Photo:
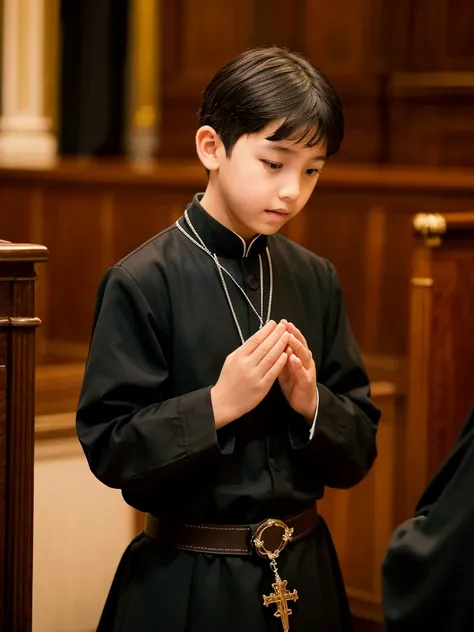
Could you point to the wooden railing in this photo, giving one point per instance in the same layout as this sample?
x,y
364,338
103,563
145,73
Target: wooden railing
x,y
17,369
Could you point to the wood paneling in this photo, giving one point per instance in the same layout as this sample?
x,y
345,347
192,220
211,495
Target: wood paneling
x,y
432,118
16,204
404,70
95,213
346,45
57,388
432,36
431,83
74,222
197,38
152,214
362,519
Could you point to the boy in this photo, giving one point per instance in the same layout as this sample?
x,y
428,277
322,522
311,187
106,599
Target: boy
x,y
428,572
224,387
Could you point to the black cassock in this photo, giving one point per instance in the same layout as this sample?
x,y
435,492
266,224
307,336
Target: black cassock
x,y
428,574
162,331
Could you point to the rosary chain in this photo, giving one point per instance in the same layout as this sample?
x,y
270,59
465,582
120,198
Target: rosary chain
x,y
220,268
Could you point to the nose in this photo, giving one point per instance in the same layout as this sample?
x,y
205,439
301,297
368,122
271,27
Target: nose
x,y
290,189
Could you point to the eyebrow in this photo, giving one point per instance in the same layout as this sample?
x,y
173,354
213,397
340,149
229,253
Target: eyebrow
x,y
321,157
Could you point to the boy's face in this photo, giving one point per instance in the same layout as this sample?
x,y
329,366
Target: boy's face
x,y
263,184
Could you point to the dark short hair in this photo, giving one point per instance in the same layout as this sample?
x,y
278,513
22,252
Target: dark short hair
x,y
266,84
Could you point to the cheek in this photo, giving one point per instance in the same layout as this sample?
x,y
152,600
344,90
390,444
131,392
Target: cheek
x,y
248,181
309,188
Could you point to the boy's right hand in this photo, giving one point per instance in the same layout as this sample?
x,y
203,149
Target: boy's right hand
x,y
249,372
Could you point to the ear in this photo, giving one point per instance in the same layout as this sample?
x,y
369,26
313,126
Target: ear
x,y
208,147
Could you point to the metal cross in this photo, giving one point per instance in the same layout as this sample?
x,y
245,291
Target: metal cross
x,y
281,596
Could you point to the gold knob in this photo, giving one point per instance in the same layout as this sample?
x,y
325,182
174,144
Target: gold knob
x,y
431,226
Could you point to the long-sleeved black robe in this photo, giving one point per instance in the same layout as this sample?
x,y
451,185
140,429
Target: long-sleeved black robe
x,y
428,573
162,331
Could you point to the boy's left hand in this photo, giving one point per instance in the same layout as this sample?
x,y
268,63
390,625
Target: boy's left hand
x,y
298,377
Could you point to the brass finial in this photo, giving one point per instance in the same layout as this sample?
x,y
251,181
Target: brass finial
x,y
431,226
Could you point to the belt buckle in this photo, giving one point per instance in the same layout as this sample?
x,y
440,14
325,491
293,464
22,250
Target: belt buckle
x,y
259,543
281,595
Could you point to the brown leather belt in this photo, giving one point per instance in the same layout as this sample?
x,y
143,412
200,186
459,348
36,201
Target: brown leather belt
x,y
230,539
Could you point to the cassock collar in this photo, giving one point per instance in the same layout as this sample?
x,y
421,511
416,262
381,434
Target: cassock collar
x,y
220,240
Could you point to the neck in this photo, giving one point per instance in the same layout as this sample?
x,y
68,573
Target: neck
x,y
213,204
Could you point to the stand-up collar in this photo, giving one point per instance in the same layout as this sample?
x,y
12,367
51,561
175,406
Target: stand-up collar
x,y
220,240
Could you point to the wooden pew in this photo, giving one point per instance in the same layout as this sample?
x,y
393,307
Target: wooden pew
x,y
441,349
362,519
17,369
57,387
413,440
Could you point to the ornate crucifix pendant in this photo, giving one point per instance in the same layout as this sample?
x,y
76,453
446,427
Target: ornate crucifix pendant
x,y
281,595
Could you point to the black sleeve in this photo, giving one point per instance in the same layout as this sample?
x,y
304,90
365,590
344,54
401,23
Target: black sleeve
x,y
428,574
343,446
133,437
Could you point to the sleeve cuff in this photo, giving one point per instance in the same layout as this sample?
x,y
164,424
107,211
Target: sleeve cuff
x,y
200,432
300,435
313,426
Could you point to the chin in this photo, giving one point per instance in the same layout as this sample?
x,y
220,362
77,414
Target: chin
x,y
269,230
271,227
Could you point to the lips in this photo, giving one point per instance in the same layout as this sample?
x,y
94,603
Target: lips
x,y
278,210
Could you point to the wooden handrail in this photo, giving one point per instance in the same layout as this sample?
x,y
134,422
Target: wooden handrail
x,y
23,252
190,174
459,221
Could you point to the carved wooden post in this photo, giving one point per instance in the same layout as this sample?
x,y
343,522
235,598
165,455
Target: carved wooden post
x,y
17,372
429,229
441,347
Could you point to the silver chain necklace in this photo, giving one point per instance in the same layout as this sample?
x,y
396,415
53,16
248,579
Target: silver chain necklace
x,y
220,268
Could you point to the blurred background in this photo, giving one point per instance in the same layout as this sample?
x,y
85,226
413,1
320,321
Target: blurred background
x,y
99,101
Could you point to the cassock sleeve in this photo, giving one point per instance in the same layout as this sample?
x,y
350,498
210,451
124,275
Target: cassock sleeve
x,y
428,574
133,437
343,444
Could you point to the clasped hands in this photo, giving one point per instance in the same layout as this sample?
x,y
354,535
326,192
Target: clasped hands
x,y
277,351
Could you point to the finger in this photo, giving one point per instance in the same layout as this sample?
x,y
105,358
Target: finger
x,y
268,343
277,368
274,353
303,353
297,370
286,374
297,346
296,364
256,340
297,333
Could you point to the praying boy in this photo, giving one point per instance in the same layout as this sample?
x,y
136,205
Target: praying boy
x,y
224,389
